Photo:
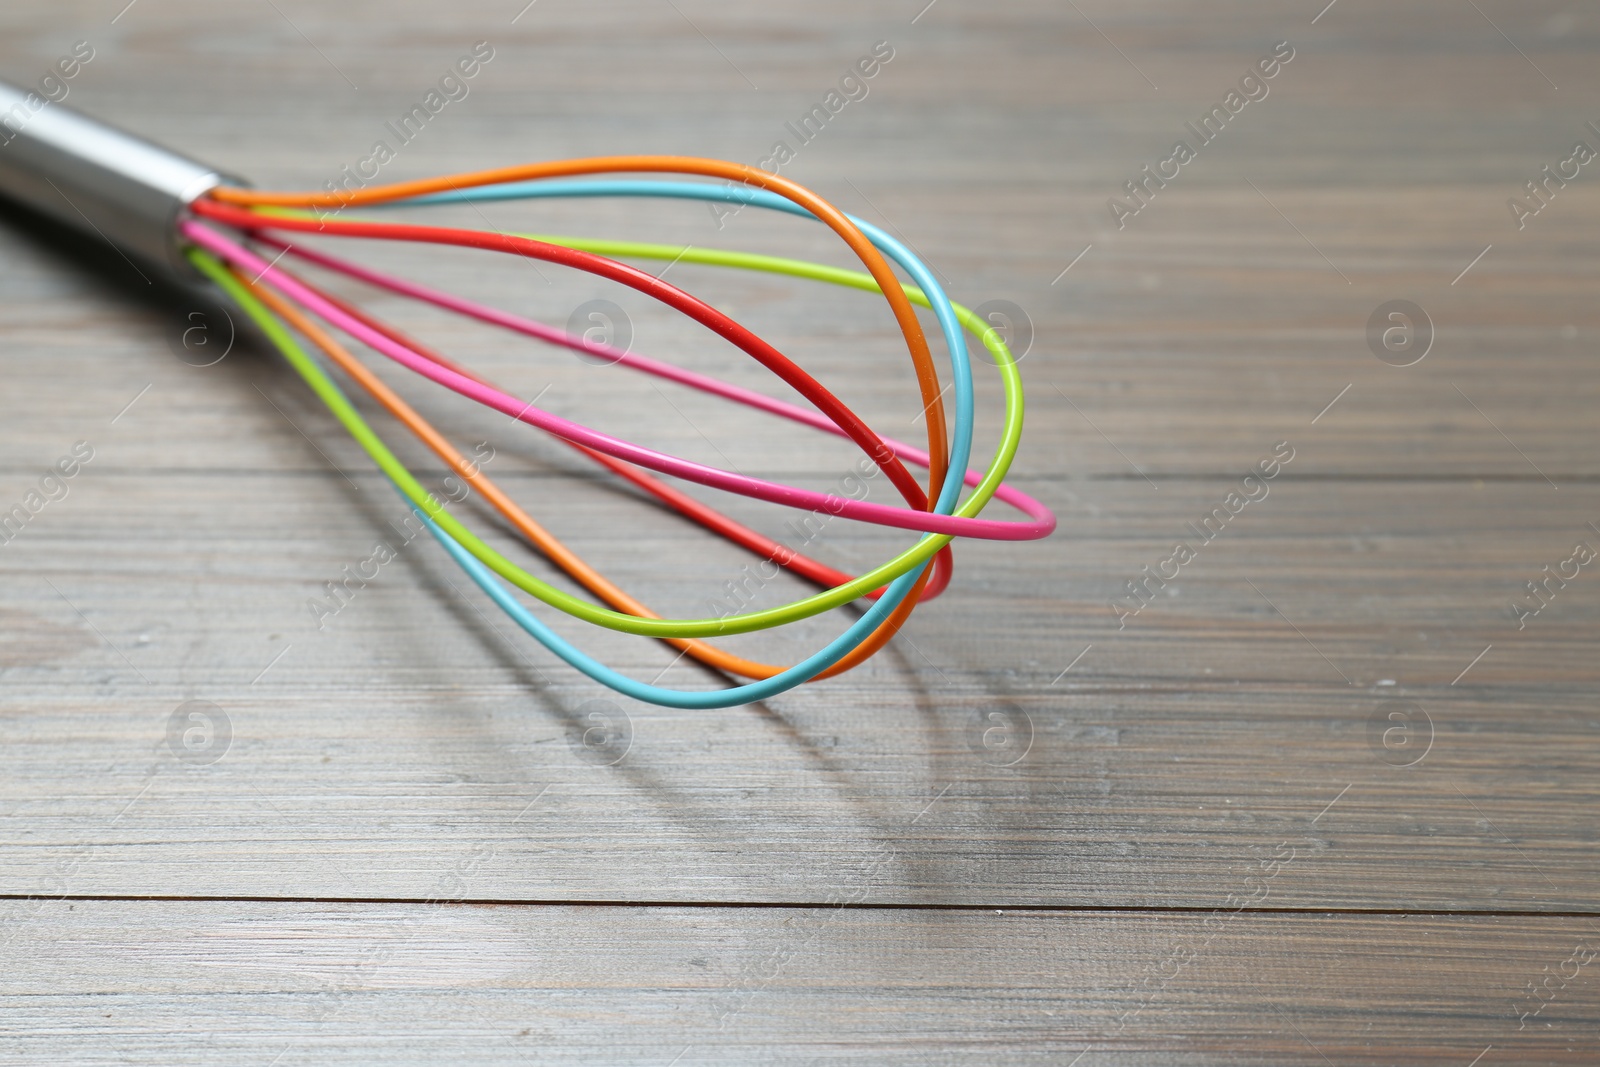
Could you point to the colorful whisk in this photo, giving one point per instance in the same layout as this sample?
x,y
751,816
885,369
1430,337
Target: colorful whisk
x,y
193,222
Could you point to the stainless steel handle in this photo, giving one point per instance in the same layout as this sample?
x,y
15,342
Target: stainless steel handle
x,y
99,179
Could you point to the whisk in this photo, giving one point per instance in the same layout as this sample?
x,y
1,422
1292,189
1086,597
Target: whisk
x,y
196,223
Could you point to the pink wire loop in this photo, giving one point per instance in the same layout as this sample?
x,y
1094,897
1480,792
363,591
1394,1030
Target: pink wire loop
x,y
1043,522
643,364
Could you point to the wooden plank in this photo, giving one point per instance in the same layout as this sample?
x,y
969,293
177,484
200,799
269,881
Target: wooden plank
x,y
188,982
1206,328
1218,723
1203,393
1331,717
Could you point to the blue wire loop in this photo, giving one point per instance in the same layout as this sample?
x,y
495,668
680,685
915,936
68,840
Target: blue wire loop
x,y
898,590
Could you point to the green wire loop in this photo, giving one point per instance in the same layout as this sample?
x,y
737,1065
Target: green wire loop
x,y
373,444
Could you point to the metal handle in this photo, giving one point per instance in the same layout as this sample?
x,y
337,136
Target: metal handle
x,y
99,179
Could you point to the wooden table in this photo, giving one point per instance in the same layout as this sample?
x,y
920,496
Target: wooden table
x,y
1325,797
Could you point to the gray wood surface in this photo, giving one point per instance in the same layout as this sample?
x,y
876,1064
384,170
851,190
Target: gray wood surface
x,y
1321,801
343,983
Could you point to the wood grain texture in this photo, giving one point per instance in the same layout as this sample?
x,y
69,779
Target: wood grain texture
x,y
1331,728
190,982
